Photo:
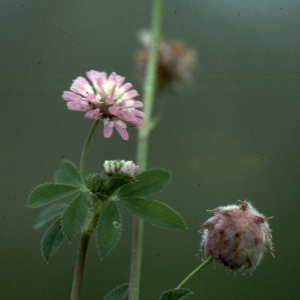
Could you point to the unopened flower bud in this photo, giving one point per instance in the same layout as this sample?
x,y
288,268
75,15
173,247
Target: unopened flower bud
x,y
94,182
115,166
236,236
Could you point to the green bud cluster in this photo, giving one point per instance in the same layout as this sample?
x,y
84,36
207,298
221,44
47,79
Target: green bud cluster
x,y
95,182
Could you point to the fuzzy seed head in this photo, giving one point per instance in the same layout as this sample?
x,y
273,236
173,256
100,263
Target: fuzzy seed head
x,y
236,236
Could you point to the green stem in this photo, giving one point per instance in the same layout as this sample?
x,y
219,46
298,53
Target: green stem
x,y
78,273
143,145
85,147
85,237
197,270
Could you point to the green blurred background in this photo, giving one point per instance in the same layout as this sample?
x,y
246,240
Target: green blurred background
x,y
232,134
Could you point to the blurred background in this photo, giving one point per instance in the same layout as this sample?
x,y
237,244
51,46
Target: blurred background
x,y
232,134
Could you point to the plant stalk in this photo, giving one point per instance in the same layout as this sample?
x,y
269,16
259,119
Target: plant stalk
x,y
197,270
143,146
85,147
78,273
85,237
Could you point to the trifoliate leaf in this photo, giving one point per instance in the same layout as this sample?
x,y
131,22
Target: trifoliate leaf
x,y
154,212
118,293
148,183
177,294
49,192
68,174
109,229
73,216
52,240
49,214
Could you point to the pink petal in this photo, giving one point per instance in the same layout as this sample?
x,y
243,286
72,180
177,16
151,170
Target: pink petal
x,y
127,86
119,91
129,103
128,116
108,131
130,95
121,128
78,106
81,86
137,104
110,100
119,80
112,77
138,122
93,114
93,99
138,113
70,96
108,128
114,111
96,78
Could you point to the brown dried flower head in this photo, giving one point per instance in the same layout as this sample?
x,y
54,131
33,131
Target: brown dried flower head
x,y
236,236
176,61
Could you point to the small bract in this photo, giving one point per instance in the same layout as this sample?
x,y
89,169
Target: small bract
x,y
236,236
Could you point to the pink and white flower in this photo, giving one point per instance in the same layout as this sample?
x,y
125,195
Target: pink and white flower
x,y
107,98
114,166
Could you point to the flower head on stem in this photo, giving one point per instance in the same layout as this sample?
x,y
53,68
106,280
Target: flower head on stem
x,y
236,236
107,98
176,62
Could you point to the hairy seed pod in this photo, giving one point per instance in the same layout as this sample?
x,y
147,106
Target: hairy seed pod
x,y
236,236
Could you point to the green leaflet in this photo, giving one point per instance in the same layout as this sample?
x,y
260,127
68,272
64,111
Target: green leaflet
x,y
49,192
119,293
73,216
114,183
109,229
154,212
177,294
148,183
52,240
68,173
49,213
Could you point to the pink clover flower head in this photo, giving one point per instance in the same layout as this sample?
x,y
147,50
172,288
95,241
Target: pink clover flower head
x,y
114,166
236,236
107,98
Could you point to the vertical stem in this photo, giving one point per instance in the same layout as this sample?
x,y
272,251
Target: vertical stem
x,y
85,147
143,144
85,237
149,86
78,273
197,270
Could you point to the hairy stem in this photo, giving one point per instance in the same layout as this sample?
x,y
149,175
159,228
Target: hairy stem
x,y
143,145
78,273
197,270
